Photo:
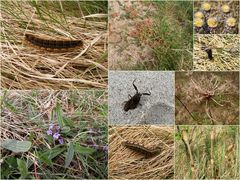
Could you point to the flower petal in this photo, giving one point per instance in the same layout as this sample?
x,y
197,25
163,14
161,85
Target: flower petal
x,y
51,126
49,132
105,148
61,140
56,135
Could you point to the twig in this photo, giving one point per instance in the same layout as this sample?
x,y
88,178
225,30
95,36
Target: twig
x,y
35,171
185,107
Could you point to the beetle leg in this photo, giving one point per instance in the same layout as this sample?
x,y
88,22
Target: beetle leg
x,y
129,96
124,102
147,93
135,87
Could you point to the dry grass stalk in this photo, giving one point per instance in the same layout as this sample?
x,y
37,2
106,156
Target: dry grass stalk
x,y
209,145
206,91
186,140
129,164
28,67
225,50
26,115
209,93
212,151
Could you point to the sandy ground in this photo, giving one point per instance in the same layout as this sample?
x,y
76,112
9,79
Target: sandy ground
x,y
158,108
125,50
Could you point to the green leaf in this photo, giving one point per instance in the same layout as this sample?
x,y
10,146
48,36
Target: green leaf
x,y
11,162
65,129
52,153
16,146
22,167
8,166
42,157
49,154
59,115
83,150
68,122
10,106
70,154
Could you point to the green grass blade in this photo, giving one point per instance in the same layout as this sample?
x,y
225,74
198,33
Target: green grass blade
x,y
70,154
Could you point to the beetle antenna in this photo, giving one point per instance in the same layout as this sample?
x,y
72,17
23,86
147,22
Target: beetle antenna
x,y
135,87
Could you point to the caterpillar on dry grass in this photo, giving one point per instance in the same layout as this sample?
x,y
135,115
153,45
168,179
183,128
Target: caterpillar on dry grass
x,y
141,148
52,44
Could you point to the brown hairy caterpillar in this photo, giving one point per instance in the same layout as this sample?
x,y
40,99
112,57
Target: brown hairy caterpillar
x,y
141,148
52,44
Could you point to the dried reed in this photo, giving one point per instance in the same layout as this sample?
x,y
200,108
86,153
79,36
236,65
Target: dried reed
x,y
129,164
28,67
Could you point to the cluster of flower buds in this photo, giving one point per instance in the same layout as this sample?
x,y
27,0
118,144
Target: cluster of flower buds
x,y
54,131
205,23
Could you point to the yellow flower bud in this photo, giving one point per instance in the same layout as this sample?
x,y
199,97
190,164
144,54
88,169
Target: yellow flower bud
x,y
199,14
198,22
206,6
225,8
231,22
212,22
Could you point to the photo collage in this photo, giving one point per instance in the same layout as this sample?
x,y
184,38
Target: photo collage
x,y
120,89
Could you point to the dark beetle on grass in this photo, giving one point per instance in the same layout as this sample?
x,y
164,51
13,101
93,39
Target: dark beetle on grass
x,y
134,101
208,51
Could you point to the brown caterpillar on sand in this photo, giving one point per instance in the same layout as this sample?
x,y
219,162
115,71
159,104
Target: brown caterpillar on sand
x,y
141,148
52,44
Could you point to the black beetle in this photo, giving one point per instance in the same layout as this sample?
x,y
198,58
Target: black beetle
x,y
133,102
208,51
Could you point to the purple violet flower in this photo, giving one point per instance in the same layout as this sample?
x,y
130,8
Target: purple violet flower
x,y
51,126
54,131
57,128
61,140
56,136
105,148
49,132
